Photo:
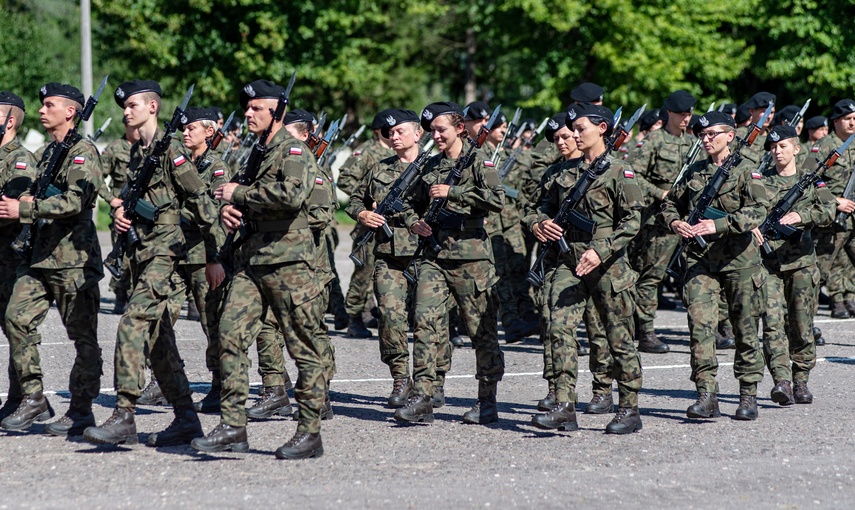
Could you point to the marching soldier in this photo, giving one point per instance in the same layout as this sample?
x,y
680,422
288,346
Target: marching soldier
x,y
755,107
817,129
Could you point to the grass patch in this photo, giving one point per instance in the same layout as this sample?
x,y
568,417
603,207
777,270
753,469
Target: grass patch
x,y
343,219
103,222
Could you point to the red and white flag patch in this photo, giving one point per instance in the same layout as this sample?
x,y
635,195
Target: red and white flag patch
x,y
295,151
219,173
319,181
489,163
79,160
639,144
356,153
21,165
180,160
814,149
820,184
629,174
755,175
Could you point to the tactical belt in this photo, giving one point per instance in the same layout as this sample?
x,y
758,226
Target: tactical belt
x,y
575,236
457,222
297,223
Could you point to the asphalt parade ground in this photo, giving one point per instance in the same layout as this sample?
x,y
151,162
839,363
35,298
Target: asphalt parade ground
x,y
801,456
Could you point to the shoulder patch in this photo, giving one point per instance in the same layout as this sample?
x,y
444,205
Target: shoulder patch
x,y
755,175
639,144
357,153
319,180
295,151
21,165
820,184
219,173
489,163
628,173
180,160
79,160
814,149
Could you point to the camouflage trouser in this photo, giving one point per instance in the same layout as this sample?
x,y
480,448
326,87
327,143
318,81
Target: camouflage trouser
x,y
743,290
515,302
290,292
791,303
120,286
391,289
359,292
8,275
270,345
77,298
655,246
439,282
336,297
209,302
610,291
146,330
835,263
322,334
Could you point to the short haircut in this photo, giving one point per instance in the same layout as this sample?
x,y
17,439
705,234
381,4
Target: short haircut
x,y
151,96
17,113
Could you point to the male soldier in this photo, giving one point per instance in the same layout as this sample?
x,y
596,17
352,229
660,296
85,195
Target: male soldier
x,y
462,270
64,266
365,156
17,170
731,262
835,244
817,128
595,270
275,270
157,287
651,121
756,106
658,160
793,283
115,160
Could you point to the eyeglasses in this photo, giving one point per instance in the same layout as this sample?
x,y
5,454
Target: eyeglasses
x,y
710,134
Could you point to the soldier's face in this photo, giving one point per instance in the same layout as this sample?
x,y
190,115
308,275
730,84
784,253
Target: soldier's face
x,y
473,126
404,136
845,125
444,133
757,114
498,134
818,133
55,112
138,111
784,151
678,121
586,134
258,115
716,138
564,141
195,135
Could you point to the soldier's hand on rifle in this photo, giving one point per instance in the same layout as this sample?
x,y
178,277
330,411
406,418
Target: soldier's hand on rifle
x,y
758,237
682,228
120,223
550,230
589,261
225,191
9,208
439,191
214,274
845,205
791,218
704,228
371,219
115,203
421,228
538,233
231,217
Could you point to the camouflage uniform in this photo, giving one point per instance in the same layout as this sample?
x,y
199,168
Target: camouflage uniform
x,y
158,290
276,271
658,160
463,269
752,154
65,267
614,203
730,263
115,161
17,171
793,284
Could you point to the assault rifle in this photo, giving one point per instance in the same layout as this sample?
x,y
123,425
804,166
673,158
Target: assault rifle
x,y
509,162
437,207
513,131
703,209
771,227
766,161
840,220
568,217
693,153
135,207
347,143
249,173
212,143
332,134
43,186
97,134
315,138
393,202
227,154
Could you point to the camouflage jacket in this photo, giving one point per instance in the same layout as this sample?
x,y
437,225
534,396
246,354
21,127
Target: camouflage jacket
x,y
174,188
531,212
17,171
837,176
614,202
510,215
276,206
356,166
817,207
322,207
544,155
115,161
754,153
67,239
478,193
373,189
742,199
213,173
659,159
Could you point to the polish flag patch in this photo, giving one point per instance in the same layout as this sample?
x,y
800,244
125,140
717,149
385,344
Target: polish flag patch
x,y
356,153
79,160
629,174
219,173
814,149
319,181
820,184
180,160
489,163
755,175
21,165
639,144
295,151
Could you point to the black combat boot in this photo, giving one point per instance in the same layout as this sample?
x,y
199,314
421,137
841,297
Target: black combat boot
x,y
600,404
547,403
210,403
627,420
33,407
562,417
192,311
78,418
151,395
649,342
801,393
14,397
356,327
850,307
782,393
419,409
401,389
184,428
485,410
747,409
223,437
705,407
121,304
724,338
817,336
438,399
582,349
302,446
839,311
272,400
341,320
119,428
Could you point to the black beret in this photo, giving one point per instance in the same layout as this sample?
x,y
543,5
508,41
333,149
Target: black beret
x,y
379,121
816,122
587,93
554,125
649,118
501,119
477,110
598,112
436,109
7,97
54,89
680,102
729,108
786,113
693,120
260,89
760,100
779,133
713,118
130,88
742,114
527,124
192,115
218,112
842,108
298,115
397,116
